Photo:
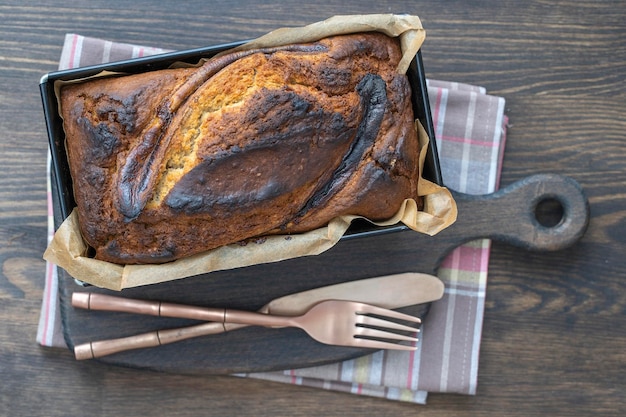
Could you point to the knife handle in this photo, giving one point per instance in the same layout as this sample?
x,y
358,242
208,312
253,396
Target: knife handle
x,y
93,301
98,349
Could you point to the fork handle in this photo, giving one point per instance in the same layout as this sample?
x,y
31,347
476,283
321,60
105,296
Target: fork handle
x,y
102,302
94,301
252,318
219,320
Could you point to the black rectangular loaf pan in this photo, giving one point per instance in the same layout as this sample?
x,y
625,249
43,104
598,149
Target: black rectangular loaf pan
x,y
60,174
364,251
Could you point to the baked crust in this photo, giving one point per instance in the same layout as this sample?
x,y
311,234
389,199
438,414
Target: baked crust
x,y
171,163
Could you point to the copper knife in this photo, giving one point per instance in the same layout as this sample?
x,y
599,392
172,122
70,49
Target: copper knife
x,y
390,291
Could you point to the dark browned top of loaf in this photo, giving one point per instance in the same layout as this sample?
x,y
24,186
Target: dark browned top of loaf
x,y
174,162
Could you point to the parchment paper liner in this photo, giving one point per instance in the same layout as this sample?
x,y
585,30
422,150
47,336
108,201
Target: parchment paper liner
x,y
68,249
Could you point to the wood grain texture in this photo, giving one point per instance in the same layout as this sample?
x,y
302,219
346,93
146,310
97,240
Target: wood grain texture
x,y
555,323
506,216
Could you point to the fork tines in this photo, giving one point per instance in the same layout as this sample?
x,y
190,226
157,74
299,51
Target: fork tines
x,y
372,319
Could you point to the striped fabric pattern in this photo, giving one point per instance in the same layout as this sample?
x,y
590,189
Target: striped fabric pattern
x,y
470,130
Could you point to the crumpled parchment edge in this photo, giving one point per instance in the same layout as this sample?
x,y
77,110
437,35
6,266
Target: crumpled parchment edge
x,y
69,251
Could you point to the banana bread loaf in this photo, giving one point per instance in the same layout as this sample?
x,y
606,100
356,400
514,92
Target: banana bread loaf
x,y
170,163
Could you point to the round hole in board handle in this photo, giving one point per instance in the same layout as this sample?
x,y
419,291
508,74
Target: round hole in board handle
x,y
549,212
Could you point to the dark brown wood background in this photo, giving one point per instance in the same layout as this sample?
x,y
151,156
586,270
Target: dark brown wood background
x,y
555,323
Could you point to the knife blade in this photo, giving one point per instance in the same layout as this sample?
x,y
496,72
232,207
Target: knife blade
x,y
390,291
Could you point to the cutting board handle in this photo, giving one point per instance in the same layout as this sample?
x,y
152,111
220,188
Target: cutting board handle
x,y
510,215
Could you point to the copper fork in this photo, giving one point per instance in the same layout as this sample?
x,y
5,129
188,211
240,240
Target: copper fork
x,y
332,322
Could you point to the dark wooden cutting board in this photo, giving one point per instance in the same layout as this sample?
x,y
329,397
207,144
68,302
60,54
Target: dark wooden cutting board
x,y
544,213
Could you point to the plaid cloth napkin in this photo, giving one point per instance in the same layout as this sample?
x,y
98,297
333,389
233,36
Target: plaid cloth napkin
x,y
470,133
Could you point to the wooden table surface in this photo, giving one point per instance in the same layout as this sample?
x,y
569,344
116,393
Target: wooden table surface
x,y
555,323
